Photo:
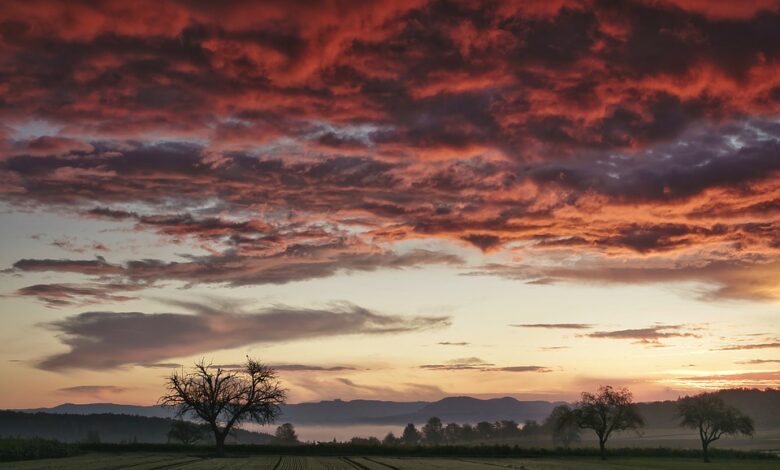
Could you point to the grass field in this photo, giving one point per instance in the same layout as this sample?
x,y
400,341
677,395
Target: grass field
x,y
153,461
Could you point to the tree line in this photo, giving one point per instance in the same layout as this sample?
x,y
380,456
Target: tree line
x,y
222,399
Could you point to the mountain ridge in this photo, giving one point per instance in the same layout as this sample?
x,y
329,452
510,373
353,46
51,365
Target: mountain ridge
x,y
105,427
348,412
762,405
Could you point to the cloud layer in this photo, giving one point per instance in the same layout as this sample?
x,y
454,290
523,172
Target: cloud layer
x,y
106,340
592,141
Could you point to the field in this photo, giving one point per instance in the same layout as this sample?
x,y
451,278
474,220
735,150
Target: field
x,y
153,461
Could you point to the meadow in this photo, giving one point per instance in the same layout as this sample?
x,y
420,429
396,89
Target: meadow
x,y
153,461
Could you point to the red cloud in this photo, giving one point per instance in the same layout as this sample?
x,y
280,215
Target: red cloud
x,y
299,140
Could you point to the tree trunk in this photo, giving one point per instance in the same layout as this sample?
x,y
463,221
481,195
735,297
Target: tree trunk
x,y
220,438
705,448
603,449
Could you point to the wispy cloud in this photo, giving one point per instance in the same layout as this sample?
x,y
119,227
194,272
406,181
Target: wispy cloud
x,y
344,388
738,347
759,361
650,336
762,379
161,365
312,368
555,326
65,295
297,263
92,389
724,279
475,363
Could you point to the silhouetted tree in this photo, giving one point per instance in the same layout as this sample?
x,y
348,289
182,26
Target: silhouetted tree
x,y
223,398
390,440
531,429
605,412
506,428
713,418
186,432
285,435
433,431
411,435
452,433
484,430
467,432
562,426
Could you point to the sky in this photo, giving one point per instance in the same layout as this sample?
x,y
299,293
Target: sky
x,y
399,200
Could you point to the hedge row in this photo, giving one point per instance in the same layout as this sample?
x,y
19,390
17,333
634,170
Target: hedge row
x,y
347,449
12,449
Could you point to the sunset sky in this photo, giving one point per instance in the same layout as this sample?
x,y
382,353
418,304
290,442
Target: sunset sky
x,y
390,200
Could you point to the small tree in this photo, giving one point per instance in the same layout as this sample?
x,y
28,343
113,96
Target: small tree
x,y
484,430
563,426
467,432
186,432
713,418
285,435
223,398
390,440
433,431
452,433
507,428
531,429
411,435
607,411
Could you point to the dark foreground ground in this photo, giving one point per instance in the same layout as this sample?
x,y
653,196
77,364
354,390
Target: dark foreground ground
x,y
149,461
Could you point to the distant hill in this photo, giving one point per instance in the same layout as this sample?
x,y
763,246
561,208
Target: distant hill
x,y
348,412
109,427
339,412
322,412
105,408
762,406
473,410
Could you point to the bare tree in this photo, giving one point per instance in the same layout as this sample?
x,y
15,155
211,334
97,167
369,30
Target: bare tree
x,y
224,398
713,418
605,412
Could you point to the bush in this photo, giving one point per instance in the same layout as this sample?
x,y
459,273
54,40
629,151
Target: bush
x,y
12,449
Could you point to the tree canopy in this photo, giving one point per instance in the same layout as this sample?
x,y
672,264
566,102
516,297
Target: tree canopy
x,y
713,418
286,435
411,435
606,411
563,425
223,398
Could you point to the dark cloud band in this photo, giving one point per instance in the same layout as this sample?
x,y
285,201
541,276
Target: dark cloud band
x,y
106,340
